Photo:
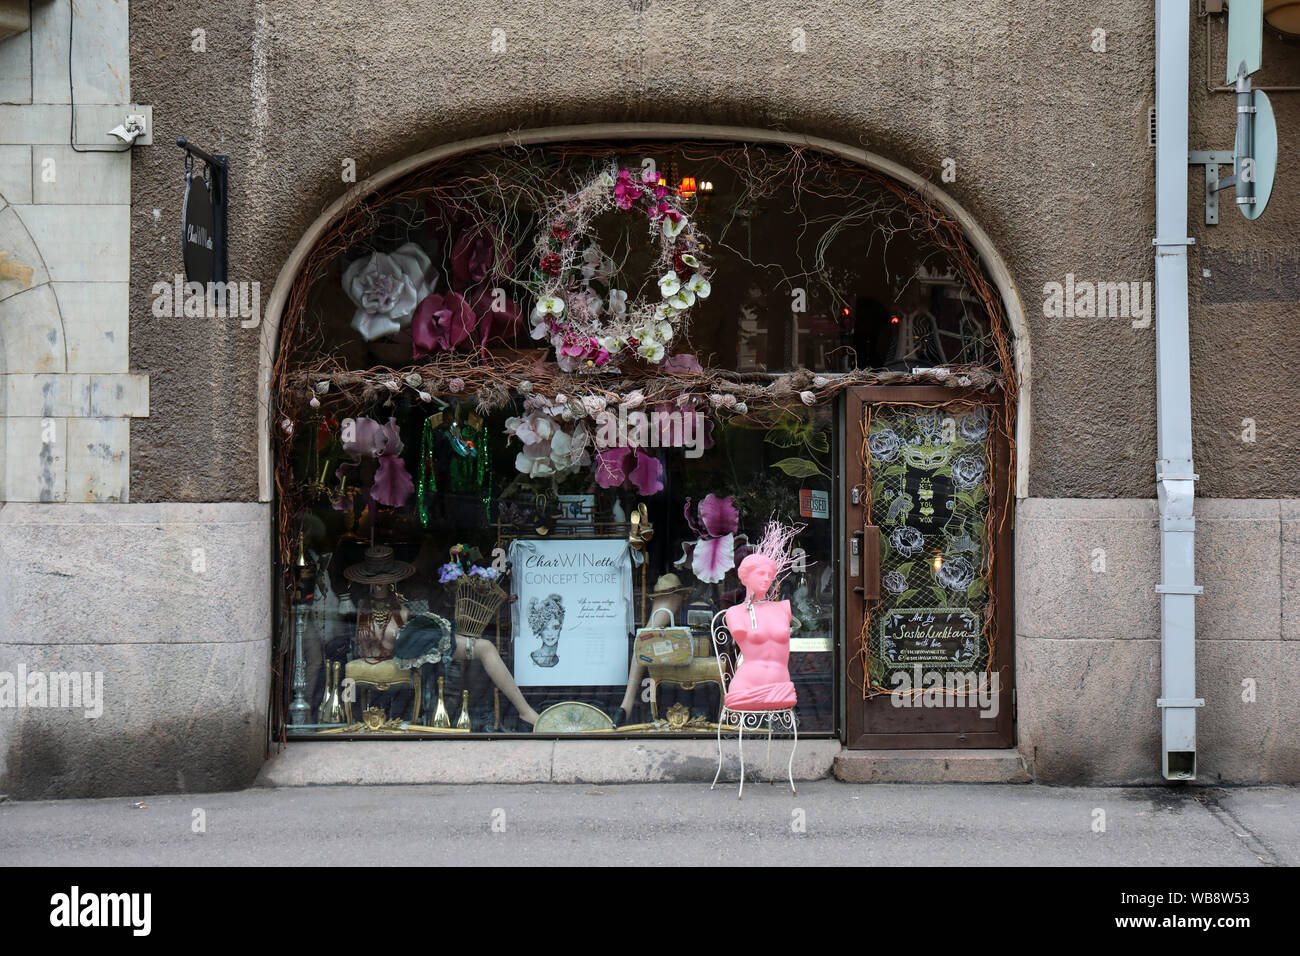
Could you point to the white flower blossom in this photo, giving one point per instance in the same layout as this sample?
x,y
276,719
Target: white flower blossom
x,y
682,300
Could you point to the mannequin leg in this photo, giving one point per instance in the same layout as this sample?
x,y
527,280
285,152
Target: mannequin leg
x,y
486,653
633,686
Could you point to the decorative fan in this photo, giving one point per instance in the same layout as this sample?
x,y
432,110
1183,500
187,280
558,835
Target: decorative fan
x,y
572,717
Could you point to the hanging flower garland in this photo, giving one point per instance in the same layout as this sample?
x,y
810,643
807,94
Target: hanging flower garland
x,y
590,330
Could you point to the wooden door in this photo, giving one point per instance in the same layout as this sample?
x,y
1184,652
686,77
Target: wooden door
x,y
928,569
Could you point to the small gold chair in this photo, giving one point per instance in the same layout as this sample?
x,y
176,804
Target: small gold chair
x,y
381,675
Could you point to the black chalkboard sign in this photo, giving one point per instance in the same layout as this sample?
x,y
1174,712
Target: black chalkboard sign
x,y
930,636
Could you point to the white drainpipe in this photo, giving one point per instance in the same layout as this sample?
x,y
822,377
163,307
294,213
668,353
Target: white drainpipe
x,y
1175,478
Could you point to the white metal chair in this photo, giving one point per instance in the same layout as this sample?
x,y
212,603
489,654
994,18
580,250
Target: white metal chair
x,y
740,719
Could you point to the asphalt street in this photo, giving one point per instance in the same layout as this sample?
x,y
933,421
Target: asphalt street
x,y
827,823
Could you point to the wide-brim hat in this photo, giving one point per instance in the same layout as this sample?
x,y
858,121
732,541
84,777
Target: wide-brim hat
x,y
668,584
379,567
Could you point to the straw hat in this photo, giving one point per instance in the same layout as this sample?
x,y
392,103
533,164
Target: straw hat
x,y
379,567
668,584
667,596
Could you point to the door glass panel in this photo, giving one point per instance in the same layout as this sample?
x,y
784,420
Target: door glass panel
x,y
930,470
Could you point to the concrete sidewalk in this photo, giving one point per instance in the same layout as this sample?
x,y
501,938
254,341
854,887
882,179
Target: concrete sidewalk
x,y
828,823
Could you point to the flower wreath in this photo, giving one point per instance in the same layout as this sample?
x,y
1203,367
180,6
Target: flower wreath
x,y
588,330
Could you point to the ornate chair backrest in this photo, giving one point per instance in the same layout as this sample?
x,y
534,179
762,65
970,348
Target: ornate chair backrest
x,y
722,647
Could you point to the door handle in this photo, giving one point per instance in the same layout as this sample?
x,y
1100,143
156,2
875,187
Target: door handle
x,y
864,549
871,562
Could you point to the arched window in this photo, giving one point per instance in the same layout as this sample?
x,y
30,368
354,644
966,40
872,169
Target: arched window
x,y
533,400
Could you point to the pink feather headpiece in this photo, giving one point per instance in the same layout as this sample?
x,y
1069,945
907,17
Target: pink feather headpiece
x,y
776,546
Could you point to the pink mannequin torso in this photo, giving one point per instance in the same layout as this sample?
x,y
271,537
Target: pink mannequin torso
x,y
762,681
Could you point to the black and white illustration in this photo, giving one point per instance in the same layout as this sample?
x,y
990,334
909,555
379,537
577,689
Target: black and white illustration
x,y
546,619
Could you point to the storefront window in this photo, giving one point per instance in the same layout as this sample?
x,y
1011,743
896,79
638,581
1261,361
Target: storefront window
x,y
536,402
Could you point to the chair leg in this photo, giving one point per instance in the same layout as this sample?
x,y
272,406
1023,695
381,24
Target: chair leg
x,y
771,779
718,772
740,746
794,725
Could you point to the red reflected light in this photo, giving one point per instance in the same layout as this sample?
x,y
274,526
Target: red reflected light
x,y
894,320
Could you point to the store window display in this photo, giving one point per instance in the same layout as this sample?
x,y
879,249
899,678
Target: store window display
x,y
534,403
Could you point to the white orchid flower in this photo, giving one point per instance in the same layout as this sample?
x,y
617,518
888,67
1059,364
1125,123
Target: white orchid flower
x,y
699,285
682,300
669,284
663,311
664,331
690,260
611,344
673,229
617,302
651,351
551,305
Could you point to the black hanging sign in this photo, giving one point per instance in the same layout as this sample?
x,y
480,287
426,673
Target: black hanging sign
x,y
198,247
203,217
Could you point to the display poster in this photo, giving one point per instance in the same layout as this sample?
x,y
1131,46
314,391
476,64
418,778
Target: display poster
x,y
572,612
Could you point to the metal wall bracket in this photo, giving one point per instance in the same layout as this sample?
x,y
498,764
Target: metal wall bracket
x,y
1179,589
1211,159
1180,702
1172,247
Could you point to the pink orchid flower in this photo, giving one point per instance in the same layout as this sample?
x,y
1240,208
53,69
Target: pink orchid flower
x,y
625,193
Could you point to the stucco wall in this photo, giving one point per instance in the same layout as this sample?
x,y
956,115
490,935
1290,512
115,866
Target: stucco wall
x,y
1059,174
1049,138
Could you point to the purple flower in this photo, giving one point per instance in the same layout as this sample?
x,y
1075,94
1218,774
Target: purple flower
x,y
720,515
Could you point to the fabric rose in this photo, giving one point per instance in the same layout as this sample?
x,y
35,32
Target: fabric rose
x,y
907,541
968,472
442,322
956,573
386,288
499,316
474,254
884,445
